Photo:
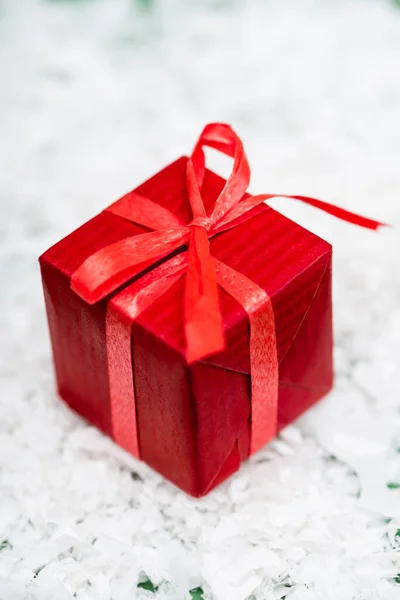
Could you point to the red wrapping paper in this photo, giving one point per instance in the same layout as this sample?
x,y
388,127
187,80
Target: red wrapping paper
x,y
124,357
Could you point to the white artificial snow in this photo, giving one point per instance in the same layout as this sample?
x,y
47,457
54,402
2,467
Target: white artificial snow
x,y
97,95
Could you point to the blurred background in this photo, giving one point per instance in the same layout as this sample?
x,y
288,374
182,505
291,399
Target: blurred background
x,y
97,95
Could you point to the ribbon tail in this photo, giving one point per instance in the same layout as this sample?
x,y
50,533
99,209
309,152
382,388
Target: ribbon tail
x,y
340,213
203,319
242,211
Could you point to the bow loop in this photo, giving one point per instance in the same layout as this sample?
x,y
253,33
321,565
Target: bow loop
x,y
220,137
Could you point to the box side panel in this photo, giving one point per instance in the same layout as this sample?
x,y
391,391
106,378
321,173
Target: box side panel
x,y
222,415
78,339
165,410
306,373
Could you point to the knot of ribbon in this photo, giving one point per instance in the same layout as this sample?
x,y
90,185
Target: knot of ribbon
x,y
204,222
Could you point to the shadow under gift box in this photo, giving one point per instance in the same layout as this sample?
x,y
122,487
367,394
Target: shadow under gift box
x,y
194,421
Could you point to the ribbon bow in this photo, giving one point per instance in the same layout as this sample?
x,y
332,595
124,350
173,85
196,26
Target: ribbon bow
x,y
114,265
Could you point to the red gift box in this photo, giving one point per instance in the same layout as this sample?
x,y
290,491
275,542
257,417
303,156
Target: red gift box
x,y
189,320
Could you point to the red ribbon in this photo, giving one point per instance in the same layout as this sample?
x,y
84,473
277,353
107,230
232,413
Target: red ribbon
x,y
106,270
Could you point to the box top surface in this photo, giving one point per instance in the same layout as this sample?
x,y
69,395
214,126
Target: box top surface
x,y
280,256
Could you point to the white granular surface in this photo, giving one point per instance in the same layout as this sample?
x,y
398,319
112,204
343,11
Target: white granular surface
x,y
95,96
